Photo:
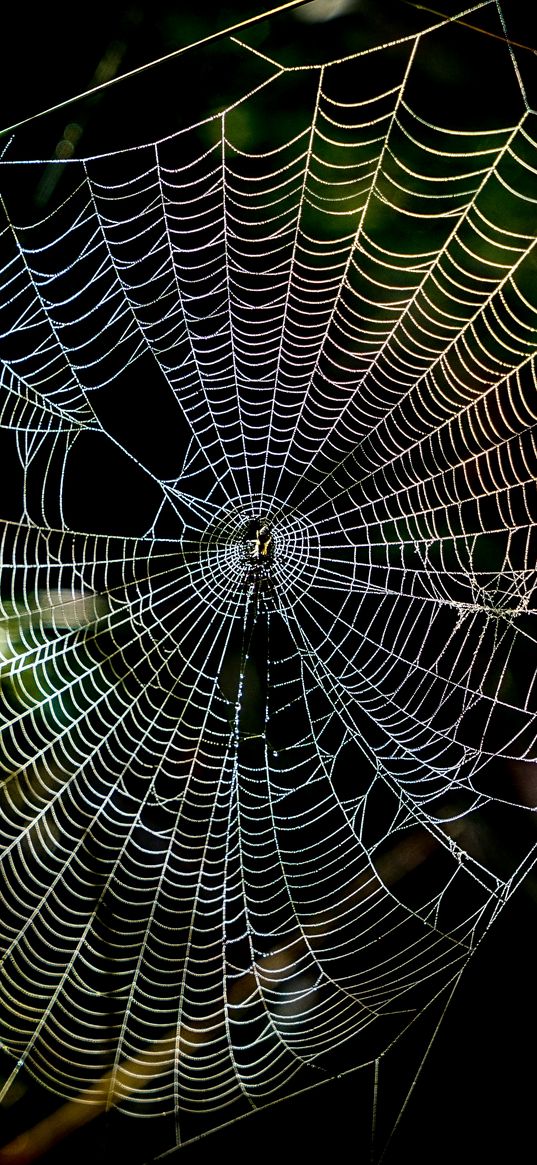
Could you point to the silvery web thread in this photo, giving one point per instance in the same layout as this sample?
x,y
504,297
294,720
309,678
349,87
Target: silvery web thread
x,y
79,749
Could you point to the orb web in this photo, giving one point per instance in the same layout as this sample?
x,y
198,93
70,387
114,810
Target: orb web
x,y
268,585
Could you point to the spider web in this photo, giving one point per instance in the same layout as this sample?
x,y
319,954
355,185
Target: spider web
x,y
249,788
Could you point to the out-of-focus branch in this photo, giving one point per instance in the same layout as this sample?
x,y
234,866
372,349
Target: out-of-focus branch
x,y
133,1074
98,88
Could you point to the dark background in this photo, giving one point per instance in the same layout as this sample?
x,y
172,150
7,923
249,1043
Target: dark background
x,y
475,1096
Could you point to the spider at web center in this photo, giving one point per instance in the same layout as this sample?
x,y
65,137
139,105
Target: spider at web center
x,y
258,548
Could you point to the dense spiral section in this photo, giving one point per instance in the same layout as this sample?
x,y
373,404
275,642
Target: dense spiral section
x,y
291,565
268,592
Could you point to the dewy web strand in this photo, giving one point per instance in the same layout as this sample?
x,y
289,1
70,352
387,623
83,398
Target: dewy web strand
x,y
268,589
